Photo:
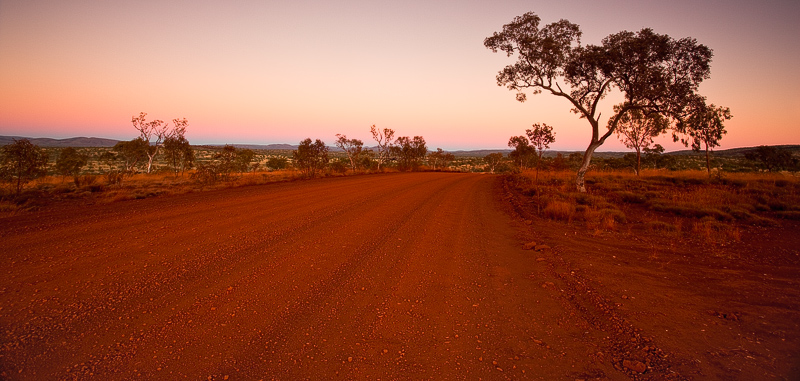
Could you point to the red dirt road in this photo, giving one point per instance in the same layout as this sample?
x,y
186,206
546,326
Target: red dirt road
x,y
402,276
397,276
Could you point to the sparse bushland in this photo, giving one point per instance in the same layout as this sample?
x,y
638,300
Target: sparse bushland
x,y
685,203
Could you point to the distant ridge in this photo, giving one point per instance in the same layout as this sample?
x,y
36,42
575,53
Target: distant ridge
x,y
102,142
60,143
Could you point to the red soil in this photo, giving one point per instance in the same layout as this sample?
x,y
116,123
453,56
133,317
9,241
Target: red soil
x,y
403,276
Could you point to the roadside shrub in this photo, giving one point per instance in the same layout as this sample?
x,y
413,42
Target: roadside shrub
x,y
84,180
559,210
586,199
616,215
714,231
660,226
115,177
630,197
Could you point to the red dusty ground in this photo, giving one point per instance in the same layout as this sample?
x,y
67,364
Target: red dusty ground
x,y
402,276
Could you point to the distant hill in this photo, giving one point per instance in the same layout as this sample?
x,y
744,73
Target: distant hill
x,y
102,142
58,143
739,151
257,146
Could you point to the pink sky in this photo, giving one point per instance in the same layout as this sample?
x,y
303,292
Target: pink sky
x,y
278,72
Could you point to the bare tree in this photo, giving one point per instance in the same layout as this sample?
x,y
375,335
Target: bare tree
x,y
154,133
352,147
636,130
541,135
385,142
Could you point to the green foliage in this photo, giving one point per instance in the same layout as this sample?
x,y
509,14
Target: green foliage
x,y
131,154
494,162
178,153
311,158
339,166
636,130
772,158
409,152
439,159
70,163
277,163
352,147
523,154
22,162
654,73
244,160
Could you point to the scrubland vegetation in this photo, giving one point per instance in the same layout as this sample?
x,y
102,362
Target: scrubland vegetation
x,y
682,204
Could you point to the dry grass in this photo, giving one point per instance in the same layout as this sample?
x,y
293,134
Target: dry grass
x,y
138,186
717,208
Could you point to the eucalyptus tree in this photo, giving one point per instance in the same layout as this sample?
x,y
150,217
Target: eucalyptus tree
x,y
21,162
352,147
310,157
636,130
541,135
705,125
654,73
409,152
384,138
523,152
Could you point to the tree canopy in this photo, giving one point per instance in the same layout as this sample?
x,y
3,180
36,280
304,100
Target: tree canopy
x,y
22,162
655,73
310,157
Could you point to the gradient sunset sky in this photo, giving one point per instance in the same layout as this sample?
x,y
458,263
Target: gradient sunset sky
x,y
265,72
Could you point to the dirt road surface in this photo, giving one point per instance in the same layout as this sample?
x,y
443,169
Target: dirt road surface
x,y
402,276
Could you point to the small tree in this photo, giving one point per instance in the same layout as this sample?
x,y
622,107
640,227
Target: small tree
x,y
409,152
440,158
153,133
277,163
244,160
22,162
384,139
311,158
541,135
636,130
523,153
493,161
70,163
705,127
772,158
179,153
131,153
352,147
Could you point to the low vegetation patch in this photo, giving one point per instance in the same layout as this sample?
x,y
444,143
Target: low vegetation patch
x,y
715,209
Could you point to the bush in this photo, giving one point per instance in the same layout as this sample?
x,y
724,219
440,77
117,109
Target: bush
x,y
560,210
661,226
617,215
84,180
630,197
